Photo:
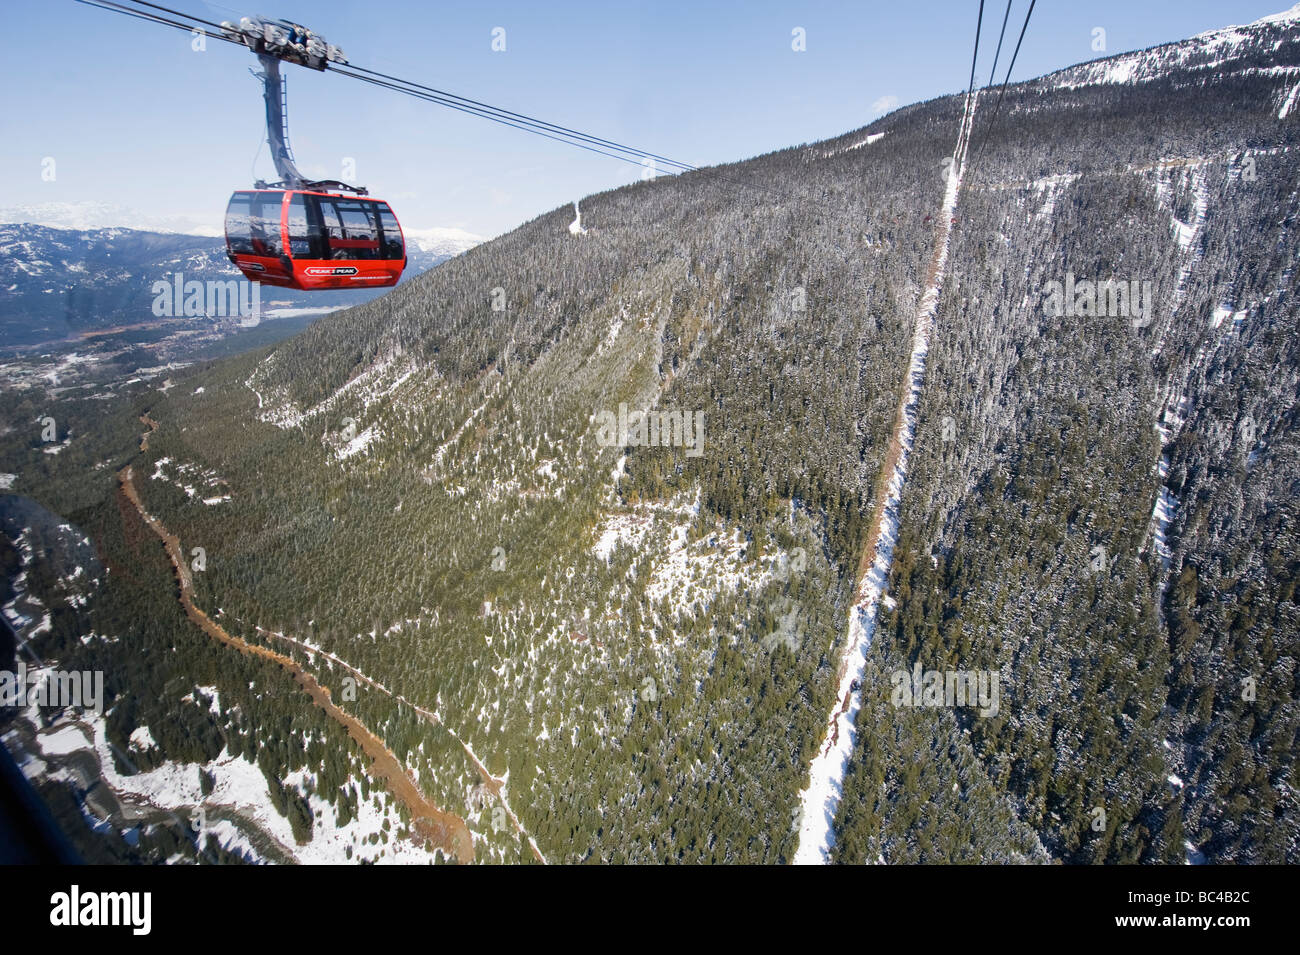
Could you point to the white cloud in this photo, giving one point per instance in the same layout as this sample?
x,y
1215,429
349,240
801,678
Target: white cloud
x,y
885,104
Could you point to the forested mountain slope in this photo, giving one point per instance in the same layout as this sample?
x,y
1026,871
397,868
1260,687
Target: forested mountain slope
x,y
1102,507
641,638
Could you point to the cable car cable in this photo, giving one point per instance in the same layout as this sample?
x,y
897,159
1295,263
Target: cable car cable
x,y
549,130
555,127
1001,36
1002,92
968,111
474,111
499,115
138,14
485,110
979,26
528,118
709,173
450,105
190,16
683,167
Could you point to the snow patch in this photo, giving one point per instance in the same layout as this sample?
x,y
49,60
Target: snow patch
x,y
1289,103
359,443
871,138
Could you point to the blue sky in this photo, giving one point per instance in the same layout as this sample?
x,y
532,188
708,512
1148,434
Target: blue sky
x,y
133,116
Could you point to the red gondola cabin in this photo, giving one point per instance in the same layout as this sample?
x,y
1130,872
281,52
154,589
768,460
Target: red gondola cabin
x,y
314,240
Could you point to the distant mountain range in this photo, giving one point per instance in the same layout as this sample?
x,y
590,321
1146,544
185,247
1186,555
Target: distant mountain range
x,y
66,273
91,215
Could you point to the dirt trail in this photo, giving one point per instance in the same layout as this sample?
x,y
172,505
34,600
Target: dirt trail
x,y
933,277
442,829
1175,162
144,438
494,784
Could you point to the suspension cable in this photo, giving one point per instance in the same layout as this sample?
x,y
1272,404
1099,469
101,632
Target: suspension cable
x,y
1002,92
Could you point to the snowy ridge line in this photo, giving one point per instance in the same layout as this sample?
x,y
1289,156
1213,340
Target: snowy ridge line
x,y
1226,44
820,798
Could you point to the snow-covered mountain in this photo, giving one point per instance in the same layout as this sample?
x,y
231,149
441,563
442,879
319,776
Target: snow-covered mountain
x,y
1224,51
444,241
90,215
